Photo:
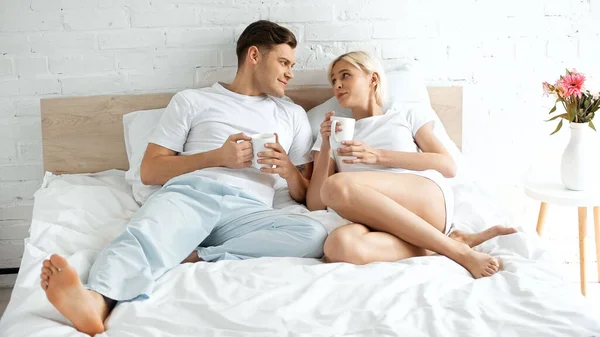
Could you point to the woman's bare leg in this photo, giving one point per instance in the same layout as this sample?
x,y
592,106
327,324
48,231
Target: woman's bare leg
x,y
357,244
383,201
475,239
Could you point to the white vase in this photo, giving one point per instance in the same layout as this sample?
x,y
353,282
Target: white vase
x,y
577,164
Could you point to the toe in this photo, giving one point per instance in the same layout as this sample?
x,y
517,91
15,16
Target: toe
x,y
46,263
47,271
58,261
54,270
44,277
44,285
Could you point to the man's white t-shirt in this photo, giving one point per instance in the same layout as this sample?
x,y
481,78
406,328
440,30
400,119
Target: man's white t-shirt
x,y
201,120
395,130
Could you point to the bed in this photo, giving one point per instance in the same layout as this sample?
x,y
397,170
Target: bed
x,y
85,201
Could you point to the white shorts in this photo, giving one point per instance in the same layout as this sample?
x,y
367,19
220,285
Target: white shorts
x,y
442,183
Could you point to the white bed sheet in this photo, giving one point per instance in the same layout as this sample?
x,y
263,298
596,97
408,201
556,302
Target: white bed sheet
x,y
77,215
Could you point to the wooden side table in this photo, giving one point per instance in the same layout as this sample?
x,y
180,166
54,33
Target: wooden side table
x,y
550,192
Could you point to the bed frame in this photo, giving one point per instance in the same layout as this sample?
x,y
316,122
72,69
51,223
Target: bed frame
x,y
85,134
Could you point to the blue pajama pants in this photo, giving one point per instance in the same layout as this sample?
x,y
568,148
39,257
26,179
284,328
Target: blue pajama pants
x,y
196,213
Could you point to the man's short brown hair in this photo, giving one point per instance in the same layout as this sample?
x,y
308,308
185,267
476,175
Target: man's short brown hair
x,y
263,34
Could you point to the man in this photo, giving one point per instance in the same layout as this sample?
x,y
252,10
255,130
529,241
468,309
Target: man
x,y
213,203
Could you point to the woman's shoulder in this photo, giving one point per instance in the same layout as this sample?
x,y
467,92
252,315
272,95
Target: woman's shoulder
x,y
397,110
407,107
410,111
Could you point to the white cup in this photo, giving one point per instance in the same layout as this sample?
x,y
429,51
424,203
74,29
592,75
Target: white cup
x,y
347,132
258,145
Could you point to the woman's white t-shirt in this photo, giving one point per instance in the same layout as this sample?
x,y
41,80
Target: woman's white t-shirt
x,y
201,120
395,130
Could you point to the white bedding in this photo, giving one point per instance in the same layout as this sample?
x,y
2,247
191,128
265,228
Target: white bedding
x,y
77,215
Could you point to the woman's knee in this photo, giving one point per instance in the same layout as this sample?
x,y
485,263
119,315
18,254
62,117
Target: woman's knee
x,y
344,245
336,189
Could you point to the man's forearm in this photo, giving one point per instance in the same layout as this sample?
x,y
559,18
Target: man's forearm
x,y
297,185
321,172
160,169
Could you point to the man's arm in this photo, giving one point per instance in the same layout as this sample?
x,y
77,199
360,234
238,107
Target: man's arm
x,y
306,170
160,164
298,182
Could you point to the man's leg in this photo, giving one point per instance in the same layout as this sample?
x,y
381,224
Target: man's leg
x,y
249,229
172,222
161,234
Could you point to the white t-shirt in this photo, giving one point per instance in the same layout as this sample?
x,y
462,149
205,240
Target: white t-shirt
x,y
395,130
201,120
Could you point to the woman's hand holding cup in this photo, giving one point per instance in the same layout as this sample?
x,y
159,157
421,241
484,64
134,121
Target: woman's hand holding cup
x,y
326,130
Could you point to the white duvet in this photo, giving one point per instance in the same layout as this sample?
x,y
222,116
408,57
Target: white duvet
x,y
77,215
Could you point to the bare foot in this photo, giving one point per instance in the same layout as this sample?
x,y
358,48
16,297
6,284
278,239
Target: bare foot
x,y
475,239
85,308
479,264
192,258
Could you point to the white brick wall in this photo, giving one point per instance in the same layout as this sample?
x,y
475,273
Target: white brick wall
x,y
131,39
225,16
95,19
164,17
195,37
500,51
31,67
81,63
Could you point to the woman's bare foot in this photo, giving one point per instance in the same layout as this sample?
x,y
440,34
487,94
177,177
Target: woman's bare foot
x,y
85,308
475,239
478,264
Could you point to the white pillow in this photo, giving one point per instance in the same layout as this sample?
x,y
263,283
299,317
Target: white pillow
x,y
405,86
138,126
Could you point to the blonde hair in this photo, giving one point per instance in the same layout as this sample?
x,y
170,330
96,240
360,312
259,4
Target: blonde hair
x,y
363,61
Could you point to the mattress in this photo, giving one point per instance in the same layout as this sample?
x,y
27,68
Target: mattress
x,y
77,215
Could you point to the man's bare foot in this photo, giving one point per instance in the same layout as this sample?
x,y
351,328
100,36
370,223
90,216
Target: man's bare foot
x,y
478,264
192,258
86,309
475,239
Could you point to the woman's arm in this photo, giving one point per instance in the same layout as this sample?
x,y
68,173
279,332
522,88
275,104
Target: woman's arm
x,y
323,167
435,156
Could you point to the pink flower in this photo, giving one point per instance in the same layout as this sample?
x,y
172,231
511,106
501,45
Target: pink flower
x,y
572,83
548,89
559,89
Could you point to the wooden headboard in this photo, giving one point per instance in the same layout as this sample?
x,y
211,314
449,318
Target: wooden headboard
x,y
85,134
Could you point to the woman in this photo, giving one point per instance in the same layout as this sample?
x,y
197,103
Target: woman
x,y
391,181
